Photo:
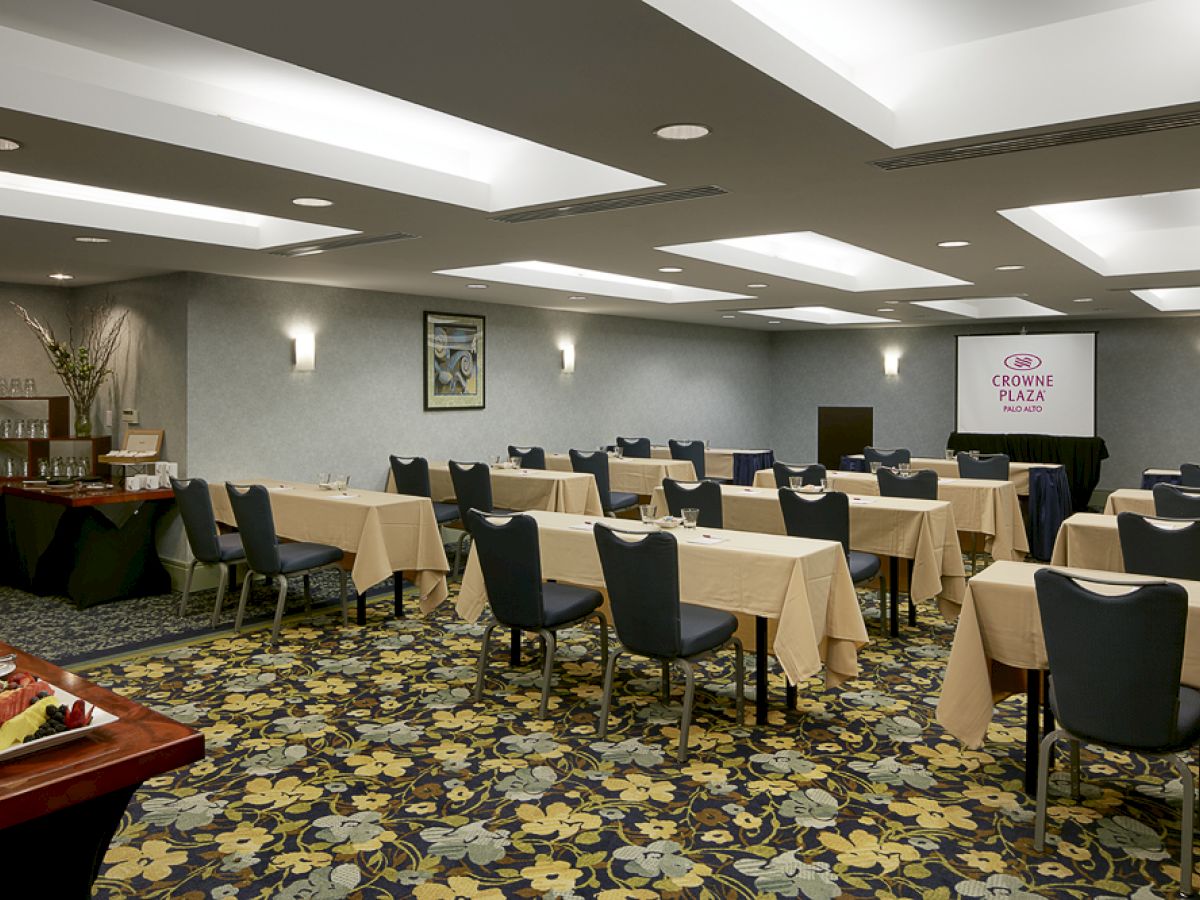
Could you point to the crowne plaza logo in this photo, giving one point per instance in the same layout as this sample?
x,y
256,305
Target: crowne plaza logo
x,y
1022,362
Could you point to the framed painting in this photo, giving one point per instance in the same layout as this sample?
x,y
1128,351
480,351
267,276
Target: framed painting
x,y
454,361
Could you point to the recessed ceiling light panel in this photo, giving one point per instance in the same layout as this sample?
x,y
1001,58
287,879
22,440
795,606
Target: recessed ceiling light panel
x,y
814,258
1179,299
990,307
539,274
821,315
670,269
682,131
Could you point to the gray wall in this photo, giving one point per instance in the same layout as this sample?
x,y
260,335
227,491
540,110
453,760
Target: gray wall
x,y
1146,411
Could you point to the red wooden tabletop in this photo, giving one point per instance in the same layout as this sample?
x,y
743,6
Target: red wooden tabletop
x,y
140,745
85,497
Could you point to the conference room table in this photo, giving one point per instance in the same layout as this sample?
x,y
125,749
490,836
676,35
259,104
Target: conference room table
x,y
549,489
385,533
736,466
1151,477
630,475
896,527
803,585
1089,541
980,506
1129,500
1018,472
999,650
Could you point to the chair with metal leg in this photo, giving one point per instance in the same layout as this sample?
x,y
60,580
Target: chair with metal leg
x,y
472,490
641,573
208,547
595,463
1165,548
702,495
1115,652
987,468
921,485
411,477
811,474
634,448
693,452
266,556
1189,475
531,457
886,457
1176,502
510,558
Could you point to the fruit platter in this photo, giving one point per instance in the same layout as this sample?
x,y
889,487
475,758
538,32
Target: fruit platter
x,y
36,715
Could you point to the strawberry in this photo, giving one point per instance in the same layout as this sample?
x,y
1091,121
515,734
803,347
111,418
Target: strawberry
x,y
78,715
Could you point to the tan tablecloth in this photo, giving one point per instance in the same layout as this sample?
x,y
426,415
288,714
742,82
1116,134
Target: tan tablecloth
x,y
386,532
984,507
803,584
1018,472
1089,541
524,489
1000,633
920,530
1129,500
633,476
718,462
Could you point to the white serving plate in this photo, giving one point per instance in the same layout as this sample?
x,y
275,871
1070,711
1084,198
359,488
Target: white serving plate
x,y
100,718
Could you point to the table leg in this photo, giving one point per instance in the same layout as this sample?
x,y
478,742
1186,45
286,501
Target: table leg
x,y
912,607
760,670
514,647
1033,690
398,584
791,694
361,615
894,591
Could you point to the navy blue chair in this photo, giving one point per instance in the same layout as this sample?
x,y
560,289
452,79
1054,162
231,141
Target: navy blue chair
x,y
919,485
266,556
510,558
531,457
826,517
812,474
1163,548
634,448
472,490
1189,475
886,457
693,452
1175,502
641,573
411,477
702,495
595,463
1116,663
994,467
208,547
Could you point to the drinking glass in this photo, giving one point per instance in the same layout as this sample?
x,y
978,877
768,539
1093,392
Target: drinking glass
x,y
646,510
619,452
43,467
323,479
904,468
824,484
6,428
691,516
950,454
795,482
3,388
874,466
514,462
19,428
341,483
974,454
14,386
496,461
30,388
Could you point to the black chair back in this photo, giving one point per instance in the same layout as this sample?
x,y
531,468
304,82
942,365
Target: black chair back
x,y
1165,550
195,508
920,485
1115,661
1176,502
531,457
472,487
886,457
994,467
510,558
594,463
642,578
256,524
691,451
823,517
811,474
411,474
635,448
1189,475
702,495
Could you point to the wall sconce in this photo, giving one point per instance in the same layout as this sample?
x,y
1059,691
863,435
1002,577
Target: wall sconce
x,y
891,362
305,349
568,358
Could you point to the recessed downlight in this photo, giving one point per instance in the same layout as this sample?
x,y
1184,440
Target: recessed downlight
x,y
729,316
682,131
756,286
62,276
92,239
1013,268
774,322
577,297
1083,300
9,144
669,269
886,309
311,201
477,287
954,244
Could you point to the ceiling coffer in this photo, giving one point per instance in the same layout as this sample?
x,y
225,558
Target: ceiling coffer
x,y
650,198
357,240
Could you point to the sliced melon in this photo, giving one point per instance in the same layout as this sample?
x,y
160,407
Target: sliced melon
x,y
20,726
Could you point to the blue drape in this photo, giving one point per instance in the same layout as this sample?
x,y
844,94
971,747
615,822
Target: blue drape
x,y
746,464
1049,505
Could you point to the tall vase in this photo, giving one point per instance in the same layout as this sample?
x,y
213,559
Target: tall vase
x,y
83,424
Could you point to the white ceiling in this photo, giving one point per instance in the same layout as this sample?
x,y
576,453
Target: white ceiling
x,y
543,102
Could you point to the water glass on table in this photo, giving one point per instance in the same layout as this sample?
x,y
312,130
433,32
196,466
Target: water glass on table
x,y
341,483
646,511
691,516
514,462
905,468
323,480
950,454
874,466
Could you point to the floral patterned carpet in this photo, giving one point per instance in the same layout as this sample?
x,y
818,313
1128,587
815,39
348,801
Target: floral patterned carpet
x,y
350,762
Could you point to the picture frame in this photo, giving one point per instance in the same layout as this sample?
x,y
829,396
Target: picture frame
x,y
454,361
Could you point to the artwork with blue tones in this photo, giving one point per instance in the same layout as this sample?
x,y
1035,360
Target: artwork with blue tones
x,y
454,363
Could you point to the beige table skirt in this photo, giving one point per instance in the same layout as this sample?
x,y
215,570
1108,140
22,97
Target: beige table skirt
x,y
523,489
804,585
1018,472
633,476
999,636
718,462
1130,500
386,532
920,530
1089,541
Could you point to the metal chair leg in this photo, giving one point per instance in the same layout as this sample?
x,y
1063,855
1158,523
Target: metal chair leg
x,y
483,653
1044,750
241,610
1186,823
548,645
458,553
222,584
600,617
689,696
606,698
280,602
666,683
740,674
1074,769
345,603
187,588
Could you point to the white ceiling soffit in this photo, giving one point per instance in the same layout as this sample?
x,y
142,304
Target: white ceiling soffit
x,y
821,315
90,64
1181,299
913,72
990,307
538,274
1121,235
66,203
816,259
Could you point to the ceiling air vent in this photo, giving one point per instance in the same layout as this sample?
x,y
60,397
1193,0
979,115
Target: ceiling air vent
x,y
594,206
1061,138
354,240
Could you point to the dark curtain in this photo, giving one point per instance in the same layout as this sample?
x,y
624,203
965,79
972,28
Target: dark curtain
x,y
1049,505
746,464
1079,456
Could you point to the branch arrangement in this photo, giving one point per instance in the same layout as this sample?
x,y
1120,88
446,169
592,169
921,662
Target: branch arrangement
x,y
83,360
